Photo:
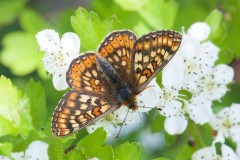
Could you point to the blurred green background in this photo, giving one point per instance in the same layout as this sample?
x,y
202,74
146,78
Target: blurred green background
x,y
28,92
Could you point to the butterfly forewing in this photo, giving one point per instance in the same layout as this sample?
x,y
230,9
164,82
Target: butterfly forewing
x,y
78,109
83,74
117,49
151,53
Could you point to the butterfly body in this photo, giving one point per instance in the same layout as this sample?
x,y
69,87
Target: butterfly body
x,y
122,91
101,83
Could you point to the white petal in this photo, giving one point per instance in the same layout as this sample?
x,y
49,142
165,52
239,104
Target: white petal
x,y
175,125
59,79
189,47
200,110
127,115
207,153
37,150
109,126
210,52
234,112
238,148
7,158
48,62
223,74
173,73
223,113
220,92
17,155
171,108
228,153
149,97
235,133
70,43
199,30
48,40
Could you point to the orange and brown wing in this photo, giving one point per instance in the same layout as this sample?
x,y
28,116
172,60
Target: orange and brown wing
x,y
117,49
83,74
78,109
151,53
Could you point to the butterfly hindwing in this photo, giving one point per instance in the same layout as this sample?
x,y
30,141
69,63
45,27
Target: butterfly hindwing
x,y
78,109
151,53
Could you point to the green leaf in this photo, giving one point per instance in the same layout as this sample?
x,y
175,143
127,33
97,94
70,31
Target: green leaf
x,y
5,149
127,151
157,124
7,127
91,29
31,21
37,98
75,154
20,53
185,94
190,12
170,139
131,5
201,134
141,28
9,10
55,149
91,146
97,138
186,152
26,119
128,18
218,29
158,14
9,103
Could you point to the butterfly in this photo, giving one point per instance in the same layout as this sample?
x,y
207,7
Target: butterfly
x,y
101,83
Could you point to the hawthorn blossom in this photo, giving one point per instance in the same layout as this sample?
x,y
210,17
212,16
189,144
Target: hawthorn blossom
x,y
58,54
209,153
227,124
145,101
193,69
37,150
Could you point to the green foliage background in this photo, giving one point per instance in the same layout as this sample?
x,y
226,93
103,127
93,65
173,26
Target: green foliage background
x,y
27,96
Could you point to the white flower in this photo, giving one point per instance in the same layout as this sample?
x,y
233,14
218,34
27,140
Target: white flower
x,y
58,54
37,150
209,153
145,101
227,123
199,30
171,108
214,85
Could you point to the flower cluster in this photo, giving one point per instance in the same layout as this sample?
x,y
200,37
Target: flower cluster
x,y
192,70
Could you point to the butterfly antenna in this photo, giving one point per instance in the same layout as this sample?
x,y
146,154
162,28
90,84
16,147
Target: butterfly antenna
x,y
124,121
159,109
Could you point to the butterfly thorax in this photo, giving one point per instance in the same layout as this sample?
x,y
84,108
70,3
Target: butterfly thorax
x,y
122,91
